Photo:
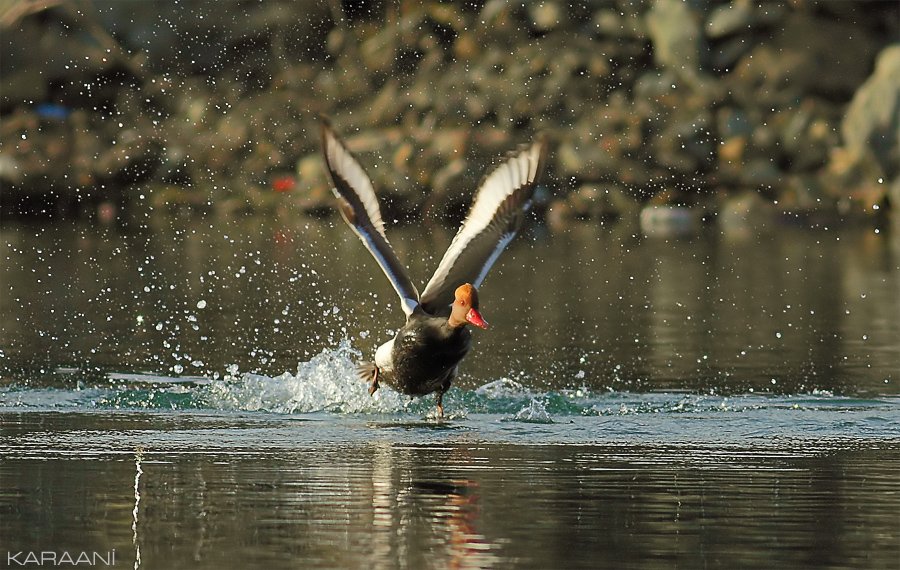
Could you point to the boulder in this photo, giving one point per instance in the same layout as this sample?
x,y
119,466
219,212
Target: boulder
x,y
872,120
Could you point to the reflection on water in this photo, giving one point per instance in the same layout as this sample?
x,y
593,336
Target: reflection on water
x,y
267,492
138,457
422,516
789,311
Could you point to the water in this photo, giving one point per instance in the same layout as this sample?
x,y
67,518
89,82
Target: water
x,y
184,396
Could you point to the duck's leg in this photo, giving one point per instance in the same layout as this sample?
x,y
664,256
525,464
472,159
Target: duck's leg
x,y
374,385
439,399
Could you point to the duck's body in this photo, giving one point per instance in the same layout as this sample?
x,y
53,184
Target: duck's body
x,y
425,354
423,357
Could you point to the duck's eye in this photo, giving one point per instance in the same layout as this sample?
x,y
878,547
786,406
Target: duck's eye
x,y
461,302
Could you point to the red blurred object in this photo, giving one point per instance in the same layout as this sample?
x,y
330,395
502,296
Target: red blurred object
x,y
106,213
284,236
284,183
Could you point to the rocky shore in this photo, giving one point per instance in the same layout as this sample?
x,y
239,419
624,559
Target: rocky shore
x,y
789,108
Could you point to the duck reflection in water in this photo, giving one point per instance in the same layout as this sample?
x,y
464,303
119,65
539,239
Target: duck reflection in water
x,y
424,355
422,516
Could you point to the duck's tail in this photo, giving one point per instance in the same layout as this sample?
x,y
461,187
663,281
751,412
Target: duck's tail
x,y
368,373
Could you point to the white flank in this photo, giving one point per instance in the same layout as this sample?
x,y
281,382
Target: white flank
x,y
383,356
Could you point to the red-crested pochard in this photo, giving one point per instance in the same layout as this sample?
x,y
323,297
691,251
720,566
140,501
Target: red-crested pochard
x,y
425,354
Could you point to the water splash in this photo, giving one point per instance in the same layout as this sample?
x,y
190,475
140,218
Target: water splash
x,y
534,412
326,383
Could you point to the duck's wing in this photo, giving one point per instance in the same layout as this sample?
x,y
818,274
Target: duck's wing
x,y
496,215
359,208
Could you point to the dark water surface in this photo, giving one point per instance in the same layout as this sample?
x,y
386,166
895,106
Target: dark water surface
x,y
184,396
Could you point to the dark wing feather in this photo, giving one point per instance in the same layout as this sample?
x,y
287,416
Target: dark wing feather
x,y
359,208
497,214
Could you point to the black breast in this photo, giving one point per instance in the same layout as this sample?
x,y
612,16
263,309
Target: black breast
x,y
426,353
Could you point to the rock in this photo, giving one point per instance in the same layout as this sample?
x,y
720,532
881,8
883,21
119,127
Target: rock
x,y
873,117
559,216
617,202
733,122
434,92
866,169
655,85
601,202
762,77
674,30
23,87
822,56
725,55
612,23
584,202
545,16
10,171
731,152
571,159
760,173
730,18
805,136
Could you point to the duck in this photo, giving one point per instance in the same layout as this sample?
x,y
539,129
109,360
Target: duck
x,y
424,355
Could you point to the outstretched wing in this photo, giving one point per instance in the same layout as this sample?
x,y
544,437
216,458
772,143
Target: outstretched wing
x,y
496,215
359,208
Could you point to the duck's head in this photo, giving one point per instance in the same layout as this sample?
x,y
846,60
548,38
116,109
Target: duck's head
x,y
465,308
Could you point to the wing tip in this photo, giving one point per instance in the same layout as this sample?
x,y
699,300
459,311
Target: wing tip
x,y
539,149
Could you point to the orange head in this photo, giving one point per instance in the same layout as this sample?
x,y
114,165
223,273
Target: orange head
x,y
465,308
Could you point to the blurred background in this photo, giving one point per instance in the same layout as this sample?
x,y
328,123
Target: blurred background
x,y
774,110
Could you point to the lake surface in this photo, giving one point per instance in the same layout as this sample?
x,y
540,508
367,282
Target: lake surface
x,y
183,395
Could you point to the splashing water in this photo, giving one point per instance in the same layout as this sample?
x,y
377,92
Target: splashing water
x,y
327,383
534,412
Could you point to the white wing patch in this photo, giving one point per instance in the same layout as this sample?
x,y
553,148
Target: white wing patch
x,y
518,171
359,208
406,303
509,177
344,163
493,257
